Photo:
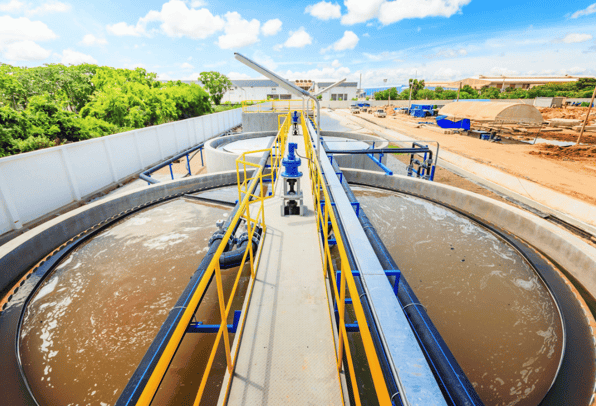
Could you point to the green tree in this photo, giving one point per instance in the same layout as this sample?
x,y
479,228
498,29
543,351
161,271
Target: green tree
x,y
216,84
416,85
470,91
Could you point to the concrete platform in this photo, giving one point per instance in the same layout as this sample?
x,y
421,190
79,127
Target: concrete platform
x,y
287,350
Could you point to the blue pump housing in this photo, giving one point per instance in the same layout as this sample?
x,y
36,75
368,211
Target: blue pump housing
x,y
295,117
291,162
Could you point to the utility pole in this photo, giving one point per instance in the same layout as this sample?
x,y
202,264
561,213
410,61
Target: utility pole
x,y
587,117
360,85
458,90
410,97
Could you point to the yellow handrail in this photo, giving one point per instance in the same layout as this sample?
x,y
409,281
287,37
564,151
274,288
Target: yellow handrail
x,y
325,214
277,106
248,198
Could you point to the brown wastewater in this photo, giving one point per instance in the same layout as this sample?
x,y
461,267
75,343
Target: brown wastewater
x,y
490,306
92,320
90,324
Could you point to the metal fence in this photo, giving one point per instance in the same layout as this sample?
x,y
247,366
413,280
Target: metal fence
x,y
37,183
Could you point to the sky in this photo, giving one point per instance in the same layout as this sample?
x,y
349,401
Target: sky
x,y
435,40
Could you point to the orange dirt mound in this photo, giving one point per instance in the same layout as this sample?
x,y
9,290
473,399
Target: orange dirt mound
x,y
573,153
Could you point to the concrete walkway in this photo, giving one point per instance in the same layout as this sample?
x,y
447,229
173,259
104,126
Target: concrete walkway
x,y
287,351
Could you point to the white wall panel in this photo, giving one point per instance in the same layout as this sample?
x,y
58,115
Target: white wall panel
x,y
36,183
46,187
124,154
89,162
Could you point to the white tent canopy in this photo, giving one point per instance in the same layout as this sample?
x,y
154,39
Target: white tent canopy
x,y
493,112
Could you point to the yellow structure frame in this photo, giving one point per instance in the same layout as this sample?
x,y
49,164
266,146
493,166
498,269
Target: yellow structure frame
x,y
325,216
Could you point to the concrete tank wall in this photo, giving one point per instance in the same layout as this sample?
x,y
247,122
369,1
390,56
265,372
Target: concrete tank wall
x,y
218,160
252,122
571,252
23,252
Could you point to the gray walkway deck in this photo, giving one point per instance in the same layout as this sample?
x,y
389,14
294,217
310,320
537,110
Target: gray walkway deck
x,y
287,351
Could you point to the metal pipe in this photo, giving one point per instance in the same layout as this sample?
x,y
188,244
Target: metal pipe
x,y
380,151
146,176
380,164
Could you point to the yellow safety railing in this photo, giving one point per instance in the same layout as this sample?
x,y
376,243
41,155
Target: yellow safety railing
x,y
347,285
270,106
250,198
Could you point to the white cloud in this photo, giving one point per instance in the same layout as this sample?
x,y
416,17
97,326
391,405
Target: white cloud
x,y
90,40
12,6
18,38
163,76
70,57
324,10
335,64
366,34
591,9
450,53
298,39
264,60
388,12
51,7
271,27
193,76
499,71
177,20
239,32
197,3
122,29
394,11
382,56
25,51
576,70
236,75
575,38
447,73
187,66
19,29
360,11
348,41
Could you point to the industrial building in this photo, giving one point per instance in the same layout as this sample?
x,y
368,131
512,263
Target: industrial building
x,y
500,82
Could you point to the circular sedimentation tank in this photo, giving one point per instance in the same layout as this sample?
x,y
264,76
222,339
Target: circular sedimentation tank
x,y
88,320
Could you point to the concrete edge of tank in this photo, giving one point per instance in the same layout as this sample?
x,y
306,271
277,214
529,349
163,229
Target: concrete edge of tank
x,y
573,254
218,160
22,253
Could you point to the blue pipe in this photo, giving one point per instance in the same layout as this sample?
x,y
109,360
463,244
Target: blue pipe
x,y
380,164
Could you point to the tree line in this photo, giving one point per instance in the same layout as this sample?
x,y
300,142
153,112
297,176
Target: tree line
x,y
582,88
54,104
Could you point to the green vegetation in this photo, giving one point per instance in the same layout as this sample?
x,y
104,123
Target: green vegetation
x,y
53,104
216,84
583,88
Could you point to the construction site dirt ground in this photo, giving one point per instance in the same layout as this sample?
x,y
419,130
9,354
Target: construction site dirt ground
x,y
571,174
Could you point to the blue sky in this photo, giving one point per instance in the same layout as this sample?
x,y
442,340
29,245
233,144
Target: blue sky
x,y
380,39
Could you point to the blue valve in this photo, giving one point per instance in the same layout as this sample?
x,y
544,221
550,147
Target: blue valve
x,y
291,163
295,117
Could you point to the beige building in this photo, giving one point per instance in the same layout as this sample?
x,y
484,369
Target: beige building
x,y
500,82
